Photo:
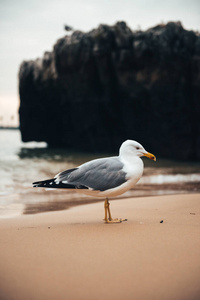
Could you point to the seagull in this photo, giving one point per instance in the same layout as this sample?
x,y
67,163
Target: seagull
x,y
104,177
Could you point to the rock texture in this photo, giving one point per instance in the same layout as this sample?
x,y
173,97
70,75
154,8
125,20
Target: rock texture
x,y
96,89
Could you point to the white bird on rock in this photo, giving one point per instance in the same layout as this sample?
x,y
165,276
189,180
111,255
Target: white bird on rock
x,y
104,177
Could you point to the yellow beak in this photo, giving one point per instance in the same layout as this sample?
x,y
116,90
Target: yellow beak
x,y
151,156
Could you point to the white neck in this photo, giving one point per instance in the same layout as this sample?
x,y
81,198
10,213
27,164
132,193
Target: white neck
x,y
133,164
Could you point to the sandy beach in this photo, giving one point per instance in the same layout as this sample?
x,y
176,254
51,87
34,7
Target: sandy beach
x,y
73,255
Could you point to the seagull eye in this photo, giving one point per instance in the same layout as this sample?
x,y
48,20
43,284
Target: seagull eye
x,y
137,148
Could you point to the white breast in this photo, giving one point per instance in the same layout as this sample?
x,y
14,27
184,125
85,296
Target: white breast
x,y
133,167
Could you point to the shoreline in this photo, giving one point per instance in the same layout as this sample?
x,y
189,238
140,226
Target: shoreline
x,y
48,201
72,254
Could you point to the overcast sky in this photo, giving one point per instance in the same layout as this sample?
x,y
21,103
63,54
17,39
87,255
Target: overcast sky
x,y
28,28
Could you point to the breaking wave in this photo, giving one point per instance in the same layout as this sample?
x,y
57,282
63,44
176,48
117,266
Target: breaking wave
x,y
170,178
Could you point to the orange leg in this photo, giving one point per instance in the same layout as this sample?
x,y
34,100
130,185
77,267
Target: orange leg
x,y
108,218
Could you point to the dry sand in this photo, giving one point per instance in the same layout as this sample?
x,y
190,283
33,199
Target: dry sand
x,y
73,255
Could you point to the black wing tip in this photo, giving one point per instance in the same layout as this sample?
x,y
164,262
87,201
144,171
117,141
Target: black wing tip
x,y
51,183
36,182
44,183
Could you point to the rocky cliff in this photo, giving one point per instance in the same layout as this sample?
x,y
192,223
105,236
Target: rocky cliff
x,y
96,89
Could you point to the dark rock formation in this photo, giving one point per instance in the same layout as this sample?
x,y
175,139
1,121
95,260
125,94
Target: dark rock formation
x,y
96,89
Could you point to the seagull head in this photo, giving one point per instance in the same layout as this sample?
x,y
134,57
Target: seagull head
x,y
134,148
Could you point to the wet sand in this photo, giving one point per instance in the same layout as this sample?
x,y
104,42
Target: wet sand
x,y
73,255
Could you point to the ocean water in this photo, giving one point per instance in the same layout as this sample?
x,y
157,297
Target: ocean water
x,y
23,163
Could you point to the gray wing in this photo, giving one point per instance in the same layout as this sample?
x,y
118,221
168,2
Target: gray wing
x,y
100,174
